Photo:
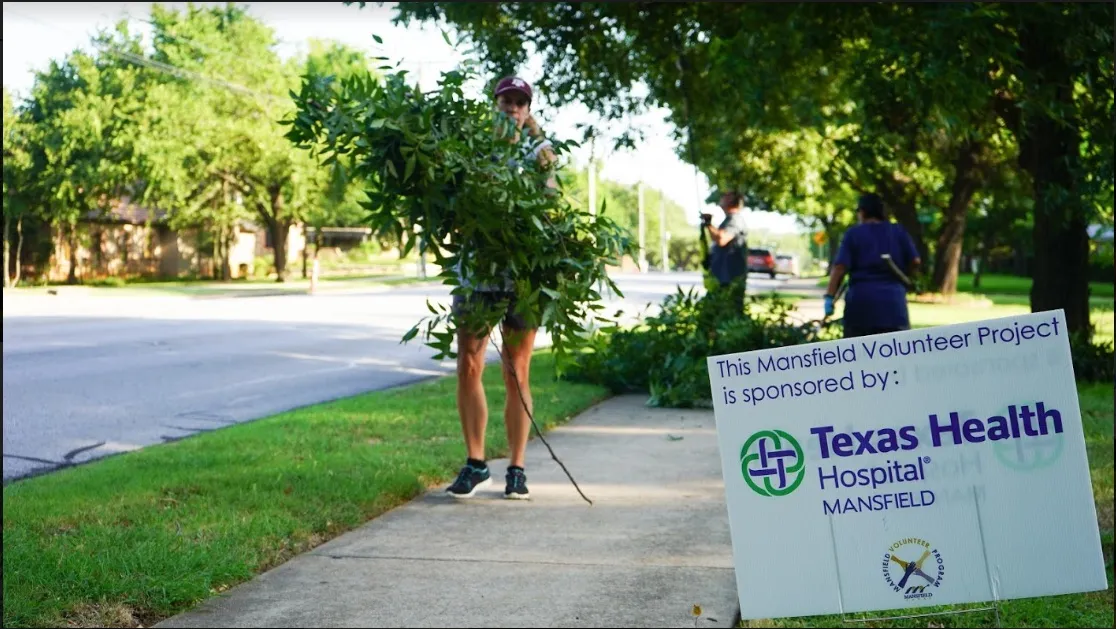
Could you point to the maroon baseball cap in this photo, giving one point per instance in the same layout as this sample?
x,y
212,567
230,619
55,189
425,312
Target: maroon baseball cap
x,y
513,84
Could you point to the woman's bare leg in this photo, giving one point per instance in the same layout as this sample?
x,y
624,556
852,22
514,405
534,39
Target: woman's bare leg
x,y
472,406
518,347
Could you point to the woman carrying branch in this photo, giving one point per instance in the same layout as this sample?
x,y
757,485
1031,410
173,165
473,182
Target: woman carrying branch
x,y
513,97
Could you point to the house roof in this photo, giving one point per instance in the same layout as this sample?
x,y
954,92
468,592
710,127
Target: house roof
x,y
124,210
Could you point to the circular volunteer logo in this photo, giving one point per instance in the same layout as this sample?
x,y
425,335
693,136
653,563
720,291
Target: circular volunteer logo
x,y
913,568
772,463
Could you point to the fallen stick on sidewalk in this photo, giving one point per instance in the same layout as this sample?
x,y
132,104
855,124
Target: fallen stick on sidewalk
x,y
530,415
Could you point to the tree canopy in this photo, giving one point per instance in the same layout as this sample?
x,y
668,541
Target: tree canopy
x,y
805,105
189,124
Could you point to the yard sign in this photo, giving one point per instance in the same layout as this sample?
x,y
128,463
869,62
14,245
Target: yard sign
x,y
924,467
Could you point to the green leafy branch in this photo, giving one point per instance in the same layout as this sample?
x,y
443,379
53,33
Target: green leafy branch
x,y
459,173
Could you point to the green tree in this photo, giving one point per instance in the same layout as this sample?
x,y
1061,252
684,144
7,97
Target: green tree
x,y
1058,101
17,185
193,144
341,196
222,156
1001,224
924,87
622,203
80,111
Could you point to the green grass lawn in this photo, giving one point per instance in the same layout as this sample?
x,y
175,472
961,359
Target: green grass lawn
x,y
247,287
1005,296
1013,286
787,297
139,537
1093,609
926,315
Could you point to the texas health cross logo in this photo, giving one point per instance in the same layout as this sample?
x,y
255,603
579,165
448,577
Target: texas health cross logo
x,y
772,463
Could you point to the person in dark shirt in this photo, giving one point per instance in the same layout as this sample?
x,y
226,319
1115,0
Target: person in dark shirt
x,y
728,258
876,301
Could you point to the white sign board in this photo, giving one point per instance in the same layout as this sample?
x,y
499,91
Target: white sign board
x,y
924,467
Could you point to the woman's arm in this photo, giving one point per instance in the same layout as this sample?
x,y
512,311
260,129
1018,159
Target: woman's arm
x,y
546,157
835,276
720,236
841,263
915,266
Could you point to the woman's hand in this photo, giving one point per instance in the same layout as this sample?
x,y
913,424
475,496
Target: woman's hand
x,y
532,126
836,274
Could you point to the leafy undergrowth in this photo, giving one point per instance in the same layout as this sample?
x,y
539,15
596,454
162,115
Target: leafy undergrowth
x,y
665,355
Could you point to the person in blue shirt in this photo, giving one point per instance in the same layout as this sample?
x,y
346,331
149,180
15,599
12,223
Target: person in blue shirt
x,y
876,301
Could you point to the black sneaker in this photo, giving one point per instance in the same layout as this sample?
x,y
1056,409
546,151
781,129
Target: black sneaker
x,y
516,488
469,479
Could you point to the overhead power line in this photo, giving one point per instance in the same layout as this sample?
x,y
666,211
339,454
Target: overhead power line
x,y
158,65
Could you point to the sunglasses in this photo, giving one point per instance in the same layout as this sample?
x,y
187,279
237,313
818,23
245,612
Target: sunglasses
x,y
518,101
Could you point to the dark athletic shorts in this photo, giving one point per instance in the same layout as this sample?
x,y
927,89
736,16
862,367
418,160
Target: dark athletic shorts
x,y
512,321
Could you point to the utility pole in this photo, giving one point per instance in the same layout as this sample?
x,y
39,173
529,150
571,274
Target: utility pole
x,y
421,271
642,233
663,235
422,236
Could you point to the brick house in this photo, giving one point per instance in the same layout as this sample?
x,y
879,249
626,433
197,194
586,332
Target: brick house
x,y
129,240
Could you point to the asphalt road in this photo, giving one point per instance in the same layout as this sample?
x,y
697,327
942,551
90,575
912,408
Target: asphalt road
x,y
89,376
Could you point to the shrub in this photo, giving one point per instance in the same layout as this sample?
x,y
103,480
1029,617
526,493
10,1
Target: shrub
x,y
261,266
1092,361
666,354
112,281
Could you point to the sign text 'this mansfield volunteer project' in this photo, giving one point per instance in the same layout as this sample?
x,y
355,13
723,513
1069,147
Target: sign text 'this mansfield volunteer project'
x,y
926,467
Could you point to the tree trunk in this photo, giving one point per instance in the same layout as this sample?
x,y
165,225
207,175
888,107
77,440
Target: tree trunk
x,y
72,277
222,235
280,229
1061,242
305,258
1049,150
982,258
833,239
226,245
7,251
217,242
965,183
19,252
215,266
1019,260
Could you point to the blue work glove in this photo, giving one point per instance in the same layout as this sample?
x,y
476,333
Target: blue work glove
x,y
829,305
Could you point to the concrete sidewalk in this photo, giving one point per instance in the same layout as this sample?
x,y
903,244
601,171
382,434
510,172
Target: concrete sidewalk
x,y
654,544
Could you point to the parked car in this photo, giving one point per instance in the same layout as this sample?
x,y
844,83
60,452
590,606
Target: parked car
x,y
787,263
761,261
